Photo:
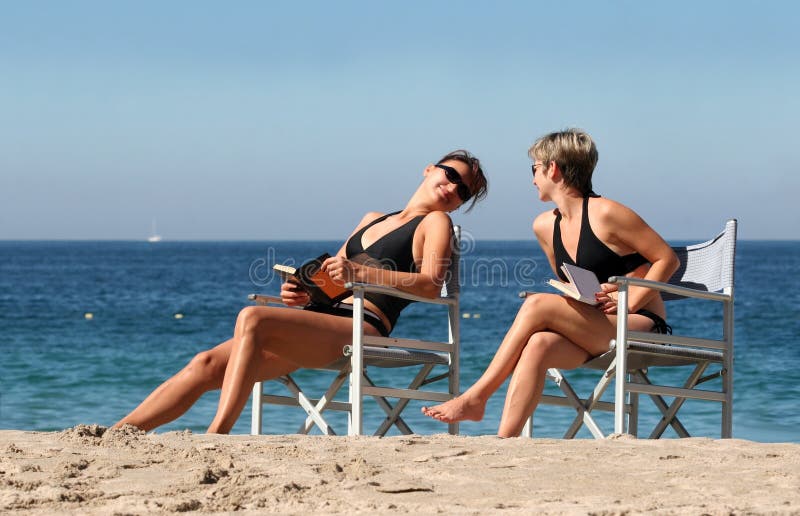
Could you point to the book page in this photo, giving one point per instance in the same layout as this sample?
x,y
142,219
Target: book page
x,y
565,288
286,272
584,281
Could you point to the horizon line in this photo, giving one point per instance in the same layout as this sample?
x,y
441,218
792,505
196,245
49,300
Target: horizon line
x,y
189,240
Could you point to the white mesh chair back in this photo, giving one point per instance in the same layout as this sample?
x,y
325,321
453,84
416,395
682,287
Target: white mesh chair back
x,y
707,266
450,288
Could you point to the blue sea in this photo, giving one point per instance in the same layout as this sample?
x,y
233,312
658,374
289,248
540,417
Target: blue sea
x,y
60,368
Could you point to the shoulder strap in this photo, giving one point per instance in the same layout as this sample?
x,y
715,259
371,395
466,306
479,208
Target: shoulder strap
x,y
557,229
585,214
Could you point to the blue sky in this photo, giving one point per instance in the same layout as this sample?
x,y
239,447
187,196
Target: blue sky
x,y
262,120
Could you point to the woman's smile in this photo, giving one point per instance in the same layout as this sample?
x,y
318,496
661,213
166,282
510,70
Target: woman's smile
x,y
443,193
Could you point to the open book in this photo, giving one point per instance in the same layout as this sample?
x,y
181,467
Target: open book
x,y
583,284
319,285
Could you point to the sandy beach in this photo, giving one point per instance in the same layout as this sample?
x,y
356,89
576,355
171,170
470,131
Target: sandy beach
x,y
88,470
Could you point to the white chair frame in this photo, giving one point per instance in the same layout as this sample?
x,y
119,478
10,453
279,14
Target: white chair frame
x,y
707,273
370,351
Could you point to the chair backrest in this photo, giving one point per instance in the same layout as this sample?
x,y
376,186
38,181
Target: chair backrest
x,y
451,287
707,266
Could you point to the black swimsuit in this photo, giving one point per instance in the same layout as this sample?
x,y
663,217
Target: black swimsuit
x,y
594,255
346,310
392,251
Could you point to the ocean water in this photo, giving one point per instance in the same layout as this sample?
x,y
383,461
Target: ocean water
x,y
59,369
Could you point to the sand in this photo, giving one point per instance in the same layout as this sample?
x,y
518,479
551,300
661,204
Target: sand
x,y
91,470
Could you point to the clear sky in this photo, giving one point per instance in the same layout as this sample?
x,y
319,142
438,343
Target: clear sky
x,y
274,120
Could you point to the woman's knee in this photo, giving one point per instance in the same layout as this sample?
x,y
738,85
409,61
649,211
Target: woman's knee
x,y
251,319
538,306
548,350
538,348
207,368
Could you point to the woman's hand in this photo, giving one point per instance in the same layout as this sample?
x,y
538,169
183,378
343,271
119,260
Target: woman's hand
x,y
293,294
341,270
607,298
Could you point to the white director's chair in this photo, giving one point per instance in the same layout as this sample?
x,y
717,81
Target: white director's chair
x,y
434,363
706,273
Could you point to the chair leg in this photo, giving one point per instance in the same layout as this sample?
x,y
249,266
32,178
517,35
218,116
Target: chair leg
x,y
727,370
527,430
315,413
727,407
621,360
256,409
454,337
355,420
669,412
393,413
392,417
633,408
584,416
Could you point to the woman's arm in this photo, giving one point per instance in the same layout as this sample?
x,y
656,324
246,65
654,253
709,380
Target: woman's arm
x,y
543,229
431,250
628,230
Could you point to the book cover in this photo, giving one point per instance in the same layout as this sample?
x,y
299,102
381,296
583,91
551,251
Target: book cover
x,y
319,285
583,284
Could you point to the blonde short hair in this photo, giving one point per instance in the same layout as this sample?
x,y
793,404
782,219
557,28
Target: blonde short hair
x,y
574,152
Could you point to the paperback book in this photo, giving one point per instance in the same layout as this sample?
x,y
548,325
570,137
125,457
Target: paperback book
x,y
322,289
582,285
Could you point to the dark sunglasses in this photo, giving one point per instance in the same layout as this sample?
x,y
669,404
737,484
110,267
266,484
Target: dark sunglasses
x,y
533,167
454,177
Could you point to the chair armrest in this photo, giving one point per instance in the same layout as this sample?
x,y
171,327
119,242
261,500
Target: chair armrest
x,y
657,285
668,287
263,299
395,292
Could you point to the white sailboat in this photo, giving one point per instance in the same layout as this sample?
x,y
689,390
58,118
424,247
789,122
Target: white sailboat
x,y
154,236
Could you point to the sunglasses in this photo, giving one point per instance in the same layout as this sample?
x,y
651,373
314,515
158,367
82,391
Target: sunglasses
x,y
533,167
454,177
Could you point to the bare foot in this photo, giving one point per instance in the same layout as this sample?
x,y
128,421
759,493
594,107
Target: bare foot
x,y
461,408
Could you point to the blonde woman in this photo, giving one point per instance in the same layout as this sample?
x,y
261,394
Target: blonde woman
x,y
551,330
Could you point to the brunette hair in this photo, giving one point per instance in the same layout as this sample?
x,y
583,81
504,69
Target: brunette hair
x,y
480,186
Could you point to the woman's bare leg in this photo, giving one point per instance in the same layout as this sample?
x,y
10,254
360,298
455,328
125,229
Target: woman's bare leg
x,y
305,339
543,351
582,324
202,374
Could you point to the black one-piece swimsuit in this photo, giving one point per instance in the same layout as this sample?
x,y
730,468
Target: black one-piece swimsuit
x,y
592,254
